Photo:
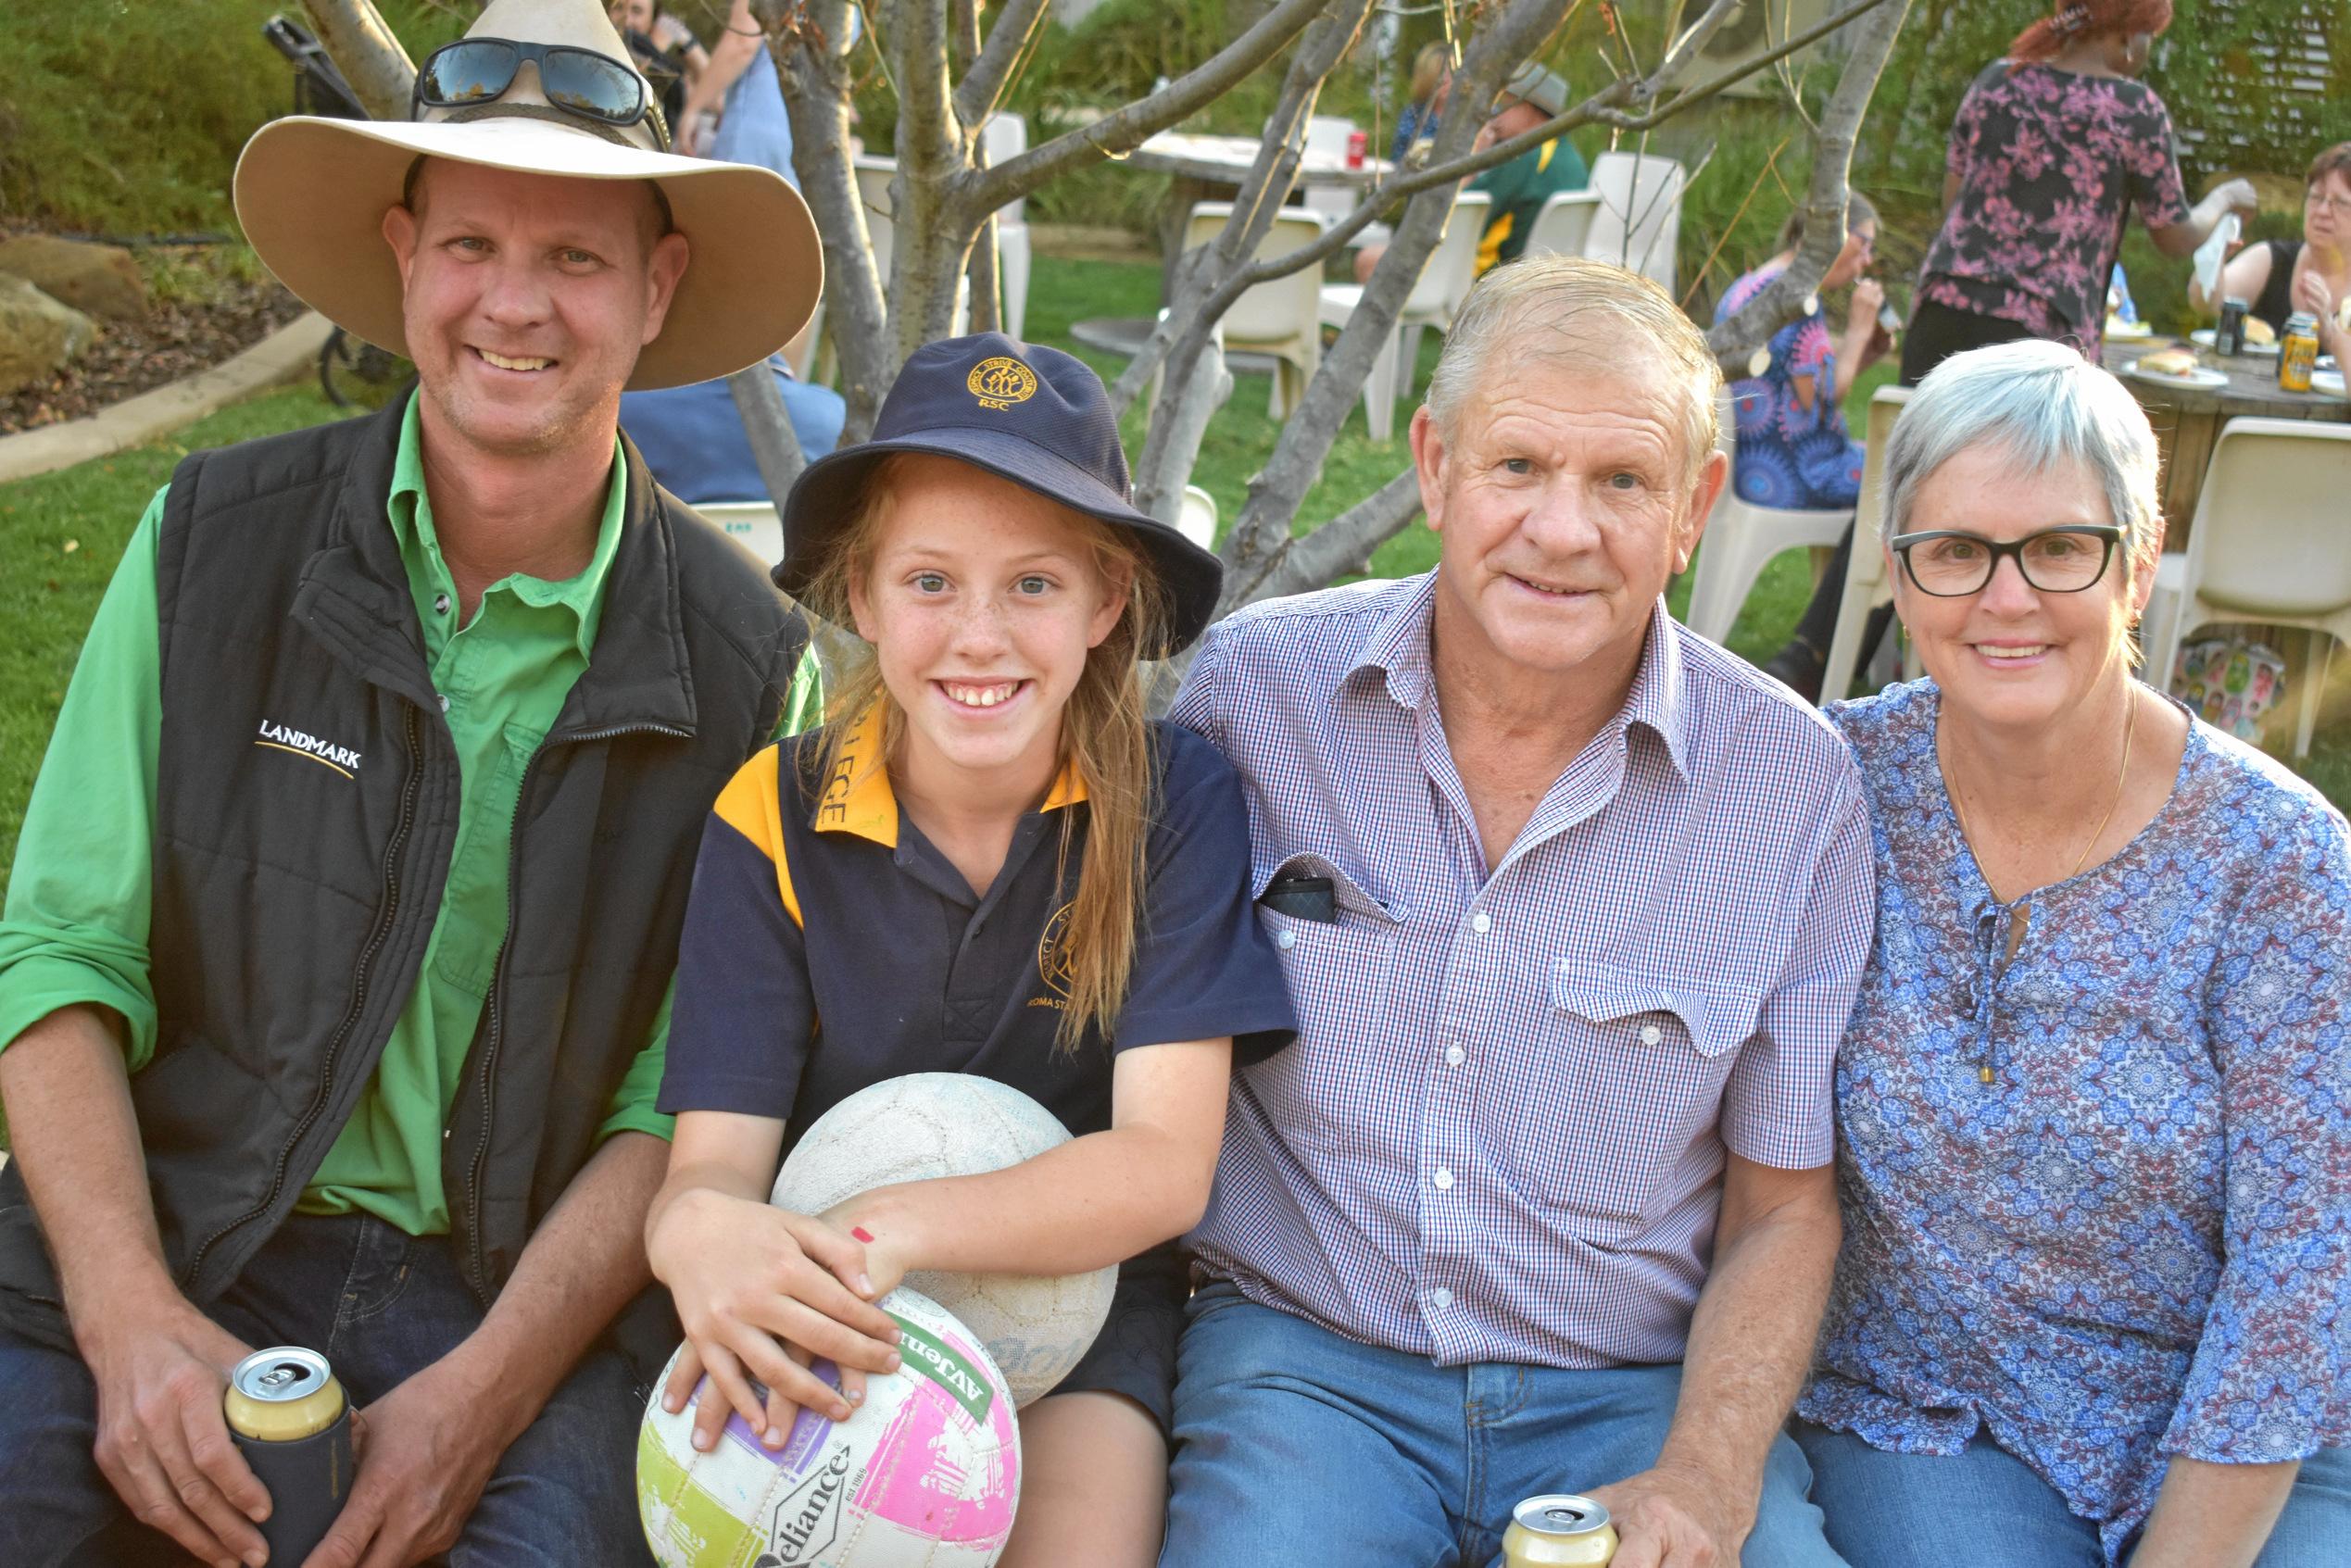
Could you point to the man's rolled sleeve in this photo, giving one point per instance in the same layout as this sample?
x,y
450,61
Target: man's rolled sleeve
x,y
80,894
1777,1107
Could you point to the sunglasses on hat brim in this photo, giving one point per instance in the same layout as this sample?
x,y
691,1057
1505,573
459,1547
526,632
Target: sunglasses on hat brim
x,y
473,71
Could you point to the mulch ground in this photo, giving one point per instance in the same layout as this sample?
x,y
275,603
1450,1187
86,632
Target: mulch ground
x,y
177,339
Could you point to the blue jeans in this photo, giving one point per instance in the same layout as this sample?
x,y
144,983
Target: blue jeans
x,y
379,1305
1295,1445
1913,1511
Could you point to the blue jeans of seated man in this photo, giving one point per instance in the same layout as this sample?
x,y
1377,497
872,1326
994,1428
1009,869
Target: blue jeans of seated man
x,y
380,1305
1297,1445
1929,1511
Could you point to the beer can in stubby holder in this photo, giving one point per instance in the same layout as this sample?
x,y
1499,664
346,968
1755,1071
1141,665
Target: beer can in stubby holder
x,y
2297,352
1559,1530
290,1423
1358,148
2229,336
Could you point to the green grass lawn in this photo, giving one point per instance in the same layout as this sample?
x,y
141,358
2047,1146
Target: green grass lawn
x,y
61,534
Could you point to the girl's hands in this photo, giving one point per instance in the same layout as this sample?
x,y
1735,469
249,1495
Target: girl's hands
x,y
762,1292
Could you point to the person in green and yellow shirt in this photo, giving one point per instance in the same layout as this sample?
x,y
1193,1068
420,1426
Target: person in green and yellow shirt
x,y
1530,98
335,962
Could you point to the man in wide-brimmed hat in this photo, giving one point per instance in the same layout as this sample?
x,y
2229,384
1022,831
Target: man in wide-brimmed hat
x,y
334,971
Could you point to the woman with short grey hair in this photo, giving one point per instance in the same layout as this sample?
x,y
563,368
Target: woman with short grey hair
x,y
2095,1100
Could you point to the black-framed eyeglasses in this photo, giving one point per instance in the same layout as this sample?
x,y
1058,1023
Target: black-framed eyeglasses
x,y
472,72
1951,563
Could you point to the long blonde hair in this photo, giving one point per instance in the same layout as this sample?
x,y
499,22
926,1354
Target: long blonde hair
x,y
1105,739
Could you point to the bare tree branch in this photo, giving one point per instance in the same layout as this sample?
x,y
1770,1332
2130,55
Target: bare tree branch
x,y
809,39
363,49
1172,444
1600,109
984,85
1122,132
1783,300
1262,529
1343,546
775,446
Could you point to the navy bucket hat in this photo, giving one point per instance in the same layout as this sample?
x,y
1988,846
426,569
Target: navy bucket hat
x,y
1023,412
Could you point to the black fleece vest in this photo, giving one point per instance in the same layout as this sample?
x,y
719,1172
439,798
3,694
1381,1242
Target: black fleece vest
x,y
306,817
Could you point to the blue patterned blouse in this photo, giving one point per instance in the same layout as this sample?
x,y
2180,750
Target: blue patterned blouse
x,y
2135,1241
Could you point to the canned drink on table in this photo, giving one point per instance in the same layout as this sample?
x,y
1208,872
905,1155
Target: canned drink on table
x,y
2229,336
1559,1530
1358,148
2297,352
290,1423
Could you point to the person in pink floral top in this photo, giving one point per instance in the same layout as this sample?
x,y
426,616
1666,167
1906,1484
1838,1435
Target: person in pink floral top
x,y
2054,148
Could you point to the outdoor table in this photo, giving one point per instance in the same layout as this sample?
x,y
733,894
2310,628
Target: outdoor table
x,y
2187,420
1205,166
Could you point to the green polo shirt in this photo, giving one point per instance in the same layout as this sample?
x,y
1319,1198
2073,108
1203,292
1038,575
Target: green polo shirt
x,y
1519,188
76,922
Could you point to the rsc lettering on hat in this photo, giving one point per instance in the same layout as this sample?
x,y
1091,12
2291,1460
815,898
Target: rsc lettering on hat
x,y
999,381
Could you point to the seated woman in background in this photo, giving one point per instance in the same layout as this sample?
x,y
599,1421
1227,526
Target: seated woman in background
x,y
1795,451
2278,278
2094,1150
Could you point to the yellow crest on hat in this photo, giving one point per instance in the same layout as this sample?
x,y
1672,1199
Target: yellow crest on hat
x,y
1000,382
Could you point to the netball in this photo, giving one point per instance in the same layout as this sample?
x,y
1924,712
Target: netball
x,y
926,1474
930,1124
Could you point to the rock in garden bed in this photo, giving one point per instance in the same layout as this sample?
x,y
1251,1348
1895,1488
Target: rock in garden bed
x,y
209,316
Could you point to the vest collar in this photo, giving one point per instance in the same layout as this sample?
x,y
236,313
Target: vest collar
x,y
354,597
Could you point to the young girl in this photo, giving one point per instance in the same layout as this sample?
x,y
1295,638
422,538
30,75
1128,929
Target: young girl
x,y
987,862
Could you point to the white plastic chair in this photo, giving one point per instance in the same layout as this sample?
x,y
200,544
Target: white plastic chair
x,y
1638,225
752,524
1443,282
1281,317
1740,540
1326,138
1563,224
1866,585
1006,137
2267,545
1197,519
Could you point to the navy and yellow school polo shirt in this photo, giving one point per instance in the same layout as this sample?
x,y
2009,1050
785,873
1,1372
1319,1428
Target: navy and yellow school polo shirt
x,y
829,946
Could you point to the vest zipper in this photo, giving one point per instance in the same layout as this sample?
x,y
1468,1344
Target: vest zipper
x,y
474,1251
351,1016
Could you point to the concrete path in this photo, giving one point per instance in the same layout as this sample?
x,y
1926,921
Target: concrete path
x,y
286,355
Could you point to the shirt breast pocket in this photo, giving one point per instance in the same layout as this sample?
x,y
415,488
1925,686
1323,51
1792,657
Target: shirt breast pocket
x,y
1618,1116
1340,972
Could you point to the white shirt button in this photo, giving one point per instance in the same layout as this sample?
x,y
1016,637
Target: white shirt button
x,y
1285,940
1651,1033
1455,1056
440,604
1441,1298
1443,1178
1479,923
445,702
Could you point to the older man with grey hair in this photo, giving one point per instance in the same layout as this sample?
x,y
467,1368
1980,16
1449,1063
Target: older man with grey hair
x,y
1573,904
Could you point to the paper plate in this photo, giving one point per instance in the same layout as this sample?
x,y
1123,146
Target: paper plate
x,y
2202,338
2199,377
2327,382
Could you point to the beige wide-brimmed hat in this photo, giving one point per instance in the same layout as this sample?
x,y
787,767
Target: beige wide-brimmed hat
x,y
311,193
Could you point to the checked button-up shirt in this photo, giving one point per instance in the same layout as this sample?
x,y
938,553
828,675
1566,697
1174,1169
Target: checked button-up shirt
x,y
1501,1134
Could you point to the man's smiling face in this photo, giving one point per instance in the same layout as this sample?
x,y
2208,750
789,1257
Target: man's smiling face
x,y
527,297
1565,500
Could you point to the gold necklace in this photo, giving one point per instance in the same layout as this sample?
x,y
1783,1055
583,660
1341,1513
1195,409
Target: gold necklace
x,y
2122,779
2129,728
